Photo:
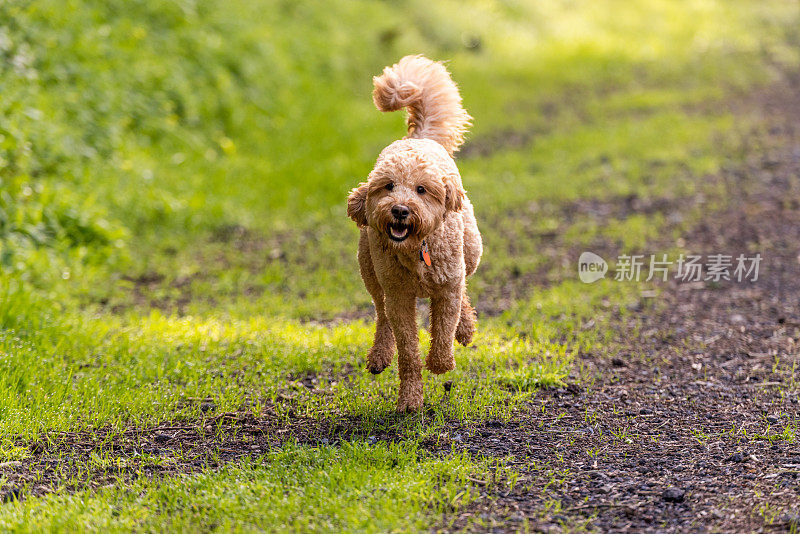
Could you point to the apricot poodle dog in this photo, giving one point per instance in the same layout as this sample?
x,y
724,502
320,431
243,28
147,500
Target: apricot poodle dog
x,y
419,237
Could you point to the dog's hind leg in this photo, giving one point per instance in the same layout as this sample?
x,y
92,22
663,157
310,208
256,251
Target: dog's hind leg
x,y
473,244
445,314
466,321
380,355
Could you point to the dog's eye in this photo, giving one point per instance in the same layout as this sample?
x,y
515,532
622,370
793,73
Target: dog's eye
x,y
420,190
389,186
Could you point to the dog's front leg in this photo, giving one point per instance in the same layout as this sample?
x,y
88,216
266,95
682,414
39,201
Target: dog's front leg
x,y
401,309
380,355
445,313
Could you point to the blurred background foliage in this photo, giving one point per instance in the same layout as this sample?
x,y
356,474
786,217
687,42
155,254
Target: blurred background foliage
x,y
132,131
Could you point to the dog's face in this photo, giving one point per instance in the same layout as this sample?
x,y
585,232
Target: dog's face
x,y
405,198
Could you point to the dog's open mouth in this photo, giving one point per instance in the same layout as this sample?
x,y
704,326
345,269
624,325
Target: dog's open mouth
x,y
398,231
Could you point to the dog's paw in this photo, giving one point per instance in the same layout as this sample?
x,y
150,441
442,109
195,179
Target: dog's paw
x,y
410,405
465,332
378,360
376,368
440,363
466,327
467,323
410,397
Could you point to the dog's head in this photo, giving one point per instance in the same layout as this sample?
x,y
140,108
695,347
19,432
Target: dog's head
x,y
413,186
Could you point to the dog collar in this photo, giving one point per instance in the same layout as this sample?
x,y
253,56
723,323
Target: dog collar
x,y
423,254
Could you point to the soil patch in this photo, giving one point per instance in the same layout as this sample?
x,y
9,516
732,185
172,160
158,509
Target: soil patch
x,y
74,461
692,424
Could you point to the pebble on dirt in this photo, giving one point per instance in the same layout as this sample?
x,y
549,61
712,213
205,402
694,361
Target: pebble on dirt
x,y
737,457
673,495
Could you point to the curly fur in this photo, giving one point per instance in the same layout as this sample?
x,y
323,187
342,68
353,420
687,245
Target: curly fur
x,y
417,176
434,104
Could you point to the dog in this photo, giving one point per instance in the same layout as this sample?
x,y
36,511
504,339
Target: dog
x,y
419,236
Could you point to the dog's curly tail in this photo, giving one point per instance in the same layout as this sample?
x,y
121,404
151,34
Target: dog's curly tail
x,y
431,96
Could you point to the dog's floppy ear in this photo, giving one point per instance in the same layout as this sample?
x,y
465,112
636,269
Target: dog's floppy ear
x,y
356,204
454,193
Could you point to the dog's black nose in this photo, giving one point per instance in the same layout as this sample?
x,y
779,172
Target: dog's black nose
x,y
399,211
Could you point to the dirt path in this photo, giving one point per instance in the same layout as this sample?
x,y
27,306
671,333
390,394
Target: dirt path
x,y
691,425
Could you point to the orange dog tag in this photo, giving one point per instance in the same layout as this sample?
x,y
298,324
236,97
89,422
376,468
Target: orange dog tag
x,y
423,254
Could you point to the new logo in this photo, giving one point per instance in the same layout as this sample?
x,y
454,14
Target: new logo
x,y
591,267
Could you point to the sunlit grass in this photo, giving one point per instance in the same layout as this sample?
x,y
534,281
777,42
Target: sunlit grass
x,y
172,184
355,488
117,371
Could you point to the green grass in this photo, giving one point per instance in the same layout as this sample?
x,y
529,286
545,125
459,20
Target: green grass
x,y
354,488
99,373
172,185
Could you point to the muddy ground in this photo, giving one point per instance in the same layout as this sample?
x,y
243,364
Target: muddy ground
x,y
690,425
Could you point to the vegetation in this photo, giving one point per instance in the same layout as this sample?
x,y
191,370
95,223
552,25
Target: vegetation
x,y
172,185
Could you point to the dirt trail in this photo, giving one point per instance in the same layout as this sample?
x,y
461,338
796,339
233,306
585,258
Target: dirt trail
x,y
690,427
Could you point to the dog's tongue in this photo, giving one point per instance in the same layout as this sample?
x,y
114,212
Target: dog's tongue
x,y
399,233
